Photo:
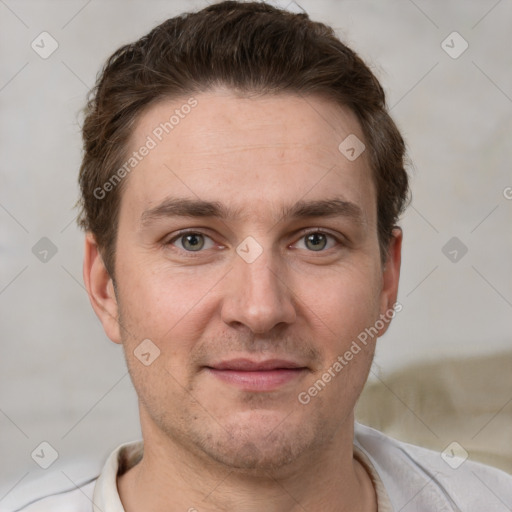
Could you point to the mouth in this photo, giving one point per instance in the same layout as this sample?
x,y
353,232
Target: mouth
x,y
250,375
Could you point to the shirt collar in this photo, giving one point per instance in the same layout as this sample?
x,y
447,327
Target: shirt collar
x,y
125,456
106,496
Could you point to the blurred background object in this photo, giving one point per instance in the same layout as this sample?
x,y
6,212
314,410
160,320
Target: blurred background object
x,y
466,400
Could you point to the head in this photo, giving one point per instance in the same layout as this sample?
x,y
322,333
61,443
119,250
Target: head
x,y
214,147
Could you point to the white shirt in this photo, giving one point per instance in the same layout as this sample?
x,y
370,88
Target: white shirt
x,y
406,478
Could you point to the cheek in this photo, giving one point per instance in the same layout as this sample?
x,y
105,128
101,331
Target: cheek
x,y
342,303
170,307
341,313
154,309
160,298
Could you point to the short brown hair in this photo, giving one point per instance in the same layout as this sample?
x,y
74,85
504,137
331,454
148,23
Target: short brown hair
x,y
249,47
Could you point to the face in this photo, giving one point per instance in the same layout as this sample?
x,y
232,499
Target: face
x,y
247,253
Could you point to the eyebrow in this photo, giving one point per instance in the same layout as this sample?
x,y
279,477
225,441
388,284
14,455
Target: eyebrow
x,y
184,207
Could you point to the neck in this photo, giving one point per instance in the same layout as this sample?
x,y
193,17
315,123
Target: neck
x,y
172,478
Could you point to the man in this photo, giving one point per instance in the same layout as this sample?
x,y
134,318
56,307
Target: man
x,y
241,184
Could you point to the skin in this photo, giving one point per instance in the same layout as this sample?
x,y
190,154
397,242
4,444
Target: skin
x,y
209,444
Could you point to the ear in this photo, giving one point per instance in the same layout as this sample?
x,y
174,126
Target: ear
x,y
100,289
390,278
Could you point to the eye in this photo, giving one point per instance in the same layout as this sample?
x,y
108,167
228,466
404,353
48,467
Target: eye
x,y
317,241
192,241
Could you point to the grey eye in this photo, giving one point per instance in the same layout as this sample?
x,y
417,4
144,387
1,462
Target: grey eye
x,y
191,241
316,241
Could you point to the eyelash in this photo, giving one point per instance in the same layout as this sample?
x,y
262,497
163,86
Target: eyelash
x,y
303,234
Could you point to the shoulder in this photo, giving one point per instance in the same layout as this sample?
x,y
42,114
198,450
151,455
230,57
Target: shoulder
x,y
57,492
451,481
71,499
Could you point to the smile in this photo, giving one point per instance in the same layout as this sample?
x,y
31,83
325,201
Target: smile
x,y
257,376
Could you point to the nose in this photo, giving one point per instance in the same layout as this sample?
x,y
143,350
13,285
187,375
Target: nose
x,y
257,295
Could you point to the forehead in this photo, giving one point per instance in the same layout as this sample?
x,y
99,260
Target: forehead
x,y
259,151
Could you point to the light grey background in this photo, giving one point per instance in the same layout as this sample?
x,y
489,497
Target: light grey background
x,y
64,382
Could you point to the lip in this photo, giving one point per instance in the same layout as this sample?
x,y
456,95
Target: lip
x,y
248,365
250,375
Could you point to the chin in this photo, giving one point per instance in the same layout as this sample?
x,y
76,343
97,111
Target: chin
x,y
258,442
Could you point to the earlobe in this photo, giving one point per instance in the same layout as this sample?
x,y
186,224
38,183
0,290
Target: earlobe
x,y
391,276
100,289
